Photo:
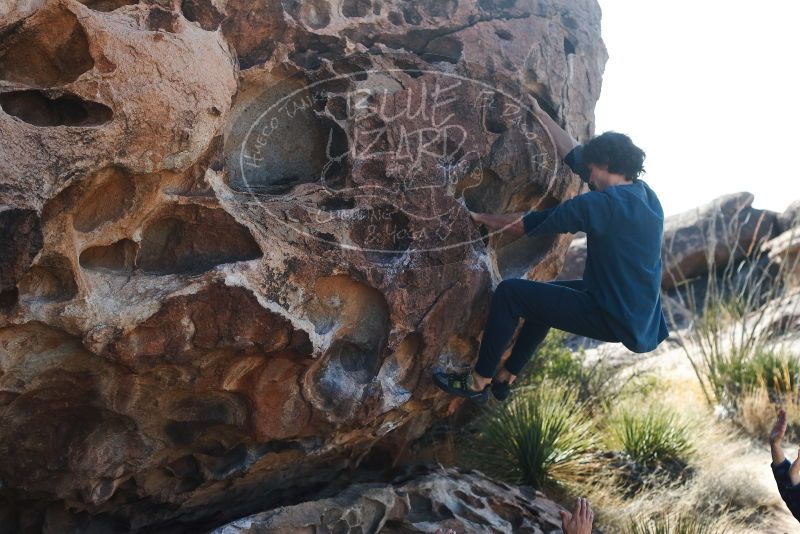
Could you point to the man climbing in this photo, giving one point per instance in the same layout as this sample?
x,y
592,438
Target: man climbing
x,y
618,299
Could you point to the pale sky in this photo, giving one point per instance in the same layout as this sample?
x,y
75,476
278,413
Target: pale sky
x,y
709,89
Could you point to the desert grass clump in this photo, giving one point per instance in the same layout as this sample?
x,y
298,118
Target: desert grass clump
x,y
652,435
598,385
670,524
538,437
731,326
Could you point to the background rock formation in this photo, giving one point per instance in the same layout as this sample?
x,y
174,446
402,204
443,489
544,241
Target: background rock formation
x,y
188,338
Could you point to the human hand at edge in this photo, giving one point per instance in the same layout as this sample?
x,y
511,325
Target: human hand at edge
x,y
779,429
580,520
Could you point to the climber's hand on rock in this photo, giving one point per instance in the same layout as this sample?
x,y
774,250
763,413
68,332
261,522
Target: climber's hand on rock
x,y
580,520
537,109
477,217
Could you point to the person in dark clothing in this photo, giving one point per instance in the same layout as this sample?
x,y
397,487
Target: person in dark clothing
x,y
619,297
786,473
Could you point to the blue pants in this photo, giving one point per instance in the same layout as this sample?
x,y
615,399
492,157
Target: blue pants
x,y
563,304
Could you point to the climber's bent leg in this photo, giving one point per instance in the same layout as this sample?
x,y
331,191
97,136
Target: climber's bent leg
x,y
543,305
532,334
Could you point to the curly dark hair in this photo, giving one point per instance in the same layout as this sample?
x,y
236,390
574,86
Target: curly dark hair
x,y
616,151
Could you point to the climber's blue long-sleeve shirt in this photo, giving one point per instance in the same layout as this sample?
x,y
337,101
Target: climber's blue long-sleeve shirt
x,y
624,227
789,492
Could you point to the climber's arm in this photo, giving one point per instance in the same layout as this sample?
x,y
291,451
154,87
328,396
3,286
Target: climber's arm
x,y
564,141
588,212
511,222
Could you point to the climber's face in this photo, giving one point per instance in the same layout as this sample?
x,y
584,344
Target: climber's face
x,y
600,178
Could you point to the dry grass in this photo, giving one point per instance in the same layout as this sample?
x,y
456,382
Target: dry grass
x,y
727,480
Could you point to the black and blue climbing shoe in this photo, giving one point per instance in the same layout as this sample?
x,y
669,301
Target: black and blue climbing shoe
x,y
459,384
501,390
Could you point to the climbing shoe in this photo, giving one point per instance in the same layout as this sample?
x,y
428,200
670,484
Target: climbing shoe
x,y
501,390
459,384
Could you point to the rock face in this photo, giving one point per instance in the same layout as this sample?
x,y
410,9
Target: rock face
x,y
436,501
235,241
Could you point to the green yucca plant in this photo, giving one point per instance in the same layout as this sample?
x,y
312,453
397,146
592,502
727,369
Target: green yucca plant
x,y
538,436
730,323
652,435
667,524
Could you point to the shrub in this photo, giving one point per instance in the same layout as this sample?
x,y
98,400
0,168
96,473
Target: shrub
x,y
536,437
652,435
666,524
597,385
736,374
730,324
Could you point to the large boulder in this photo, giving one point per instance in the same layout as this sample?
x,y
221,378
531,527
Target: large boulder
x,y
724,230
235,236
790,217
785,251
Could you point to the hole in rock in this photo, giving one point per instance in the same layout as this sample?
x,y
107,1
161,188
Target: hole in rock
x,y
446,48
440,8
504,34
337,106
119,257
493,119
218,317
304,149
193,239
8,298
516,257
192,416
385,230
481,189
356,8
50,280
202,12
106,201
358,316
490,5
337,203
50,48
351,66
359,363
35,107
107,5
20,241
569,47
410,67
162,19
314,13
395,18
411,15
